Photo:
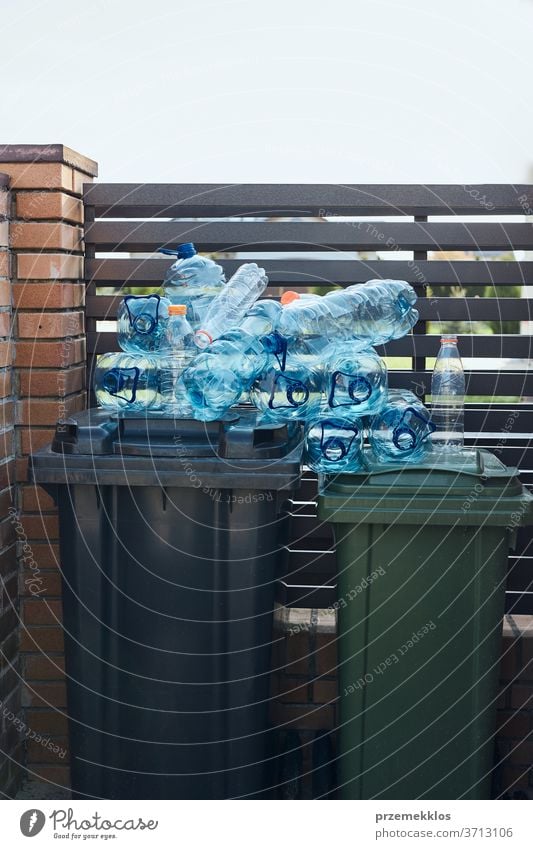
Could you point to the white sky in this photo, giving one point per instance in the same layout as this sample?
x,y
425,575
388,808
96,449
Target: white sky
x,y
279,90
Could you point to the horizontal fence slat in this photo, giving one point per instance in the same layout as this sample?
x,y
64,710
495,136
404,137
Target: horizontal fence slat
x,y
298,596
204,200
477,383
306,567
519,603
320,272
493,419
502,346
520,576
314,236
435,309
475,309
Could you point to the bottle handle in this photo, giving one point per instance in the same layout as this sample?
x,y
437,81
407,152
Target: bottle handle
x,y
151,322
356,384
402,429
334,442
292,386
115,380
276,344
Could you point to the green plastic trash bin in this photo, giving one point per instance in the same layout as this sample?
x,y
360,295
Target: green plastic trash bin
x,y
422,560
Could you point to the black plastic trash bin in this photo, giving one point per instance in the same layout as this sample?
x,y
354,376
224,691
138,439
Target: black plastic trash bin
x,y
171,536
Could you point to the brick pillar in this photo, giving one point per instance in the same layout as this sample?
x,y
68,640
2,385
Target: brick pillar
x,y
11,746
45,237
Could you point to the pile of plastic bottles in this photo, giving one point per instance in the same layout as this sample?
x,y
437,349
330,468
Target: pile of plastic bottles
x,y
206,345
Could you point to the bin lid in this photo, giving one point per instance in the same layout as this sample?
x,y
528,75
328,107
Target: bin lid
x,y
100,446
472,487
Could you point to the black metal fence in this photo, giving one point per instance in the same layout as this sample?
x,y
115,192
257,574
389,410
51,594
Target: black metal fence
x,y
464,248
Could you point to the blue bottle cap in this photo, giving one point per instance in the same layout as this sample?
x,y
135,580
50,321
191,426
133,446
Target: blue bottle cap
x,y
185,250
182,251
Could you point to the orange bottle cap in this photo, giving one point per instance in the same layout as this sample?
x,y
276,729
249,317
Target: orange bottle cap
x,y
177,309
289,297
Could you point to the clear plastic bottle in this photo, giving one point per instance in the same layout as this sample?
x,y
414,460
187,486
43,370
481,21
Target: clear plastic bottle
x,y
172,363
334,443
227,368
366,314
228,309
354,381
292,392
448,397
142,323
400,431
126,381
193,280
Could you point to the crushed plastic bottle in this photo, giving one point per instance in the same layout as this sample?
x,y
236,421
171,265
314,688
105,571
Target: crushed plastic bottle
x,y
366,314
226,369
448,397
334,443
292,392
193,280
172,363
354,381
142,323
400,431
126,381
228,309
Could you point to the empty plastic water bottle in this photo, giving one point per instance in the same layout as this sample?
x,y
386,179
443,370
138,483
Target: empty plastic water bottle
x,y
181,350
354,381
448,397
289,296
228,309
400,431
142,323
227,367
126,381
334,443
366,314
193,280
293,392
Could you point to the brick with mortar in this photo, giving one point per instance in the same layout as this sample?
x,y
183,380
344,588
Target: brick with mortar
x,y
49,267
49,205
49,325
30,235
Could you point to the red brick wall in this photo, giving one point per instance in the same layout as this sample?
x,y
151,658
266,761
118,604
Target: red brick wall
x,y
11,754
48,294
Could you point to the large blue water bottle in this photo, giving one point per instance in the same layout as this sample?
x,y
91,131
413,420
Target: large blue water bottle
x,y
142,323
219,375
355,381
401,431
289,392
334,443
193,280
366,314
126,381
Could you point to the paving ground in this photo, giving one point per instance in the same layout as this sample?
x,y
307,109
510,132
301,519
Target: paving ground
x,y
33,789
